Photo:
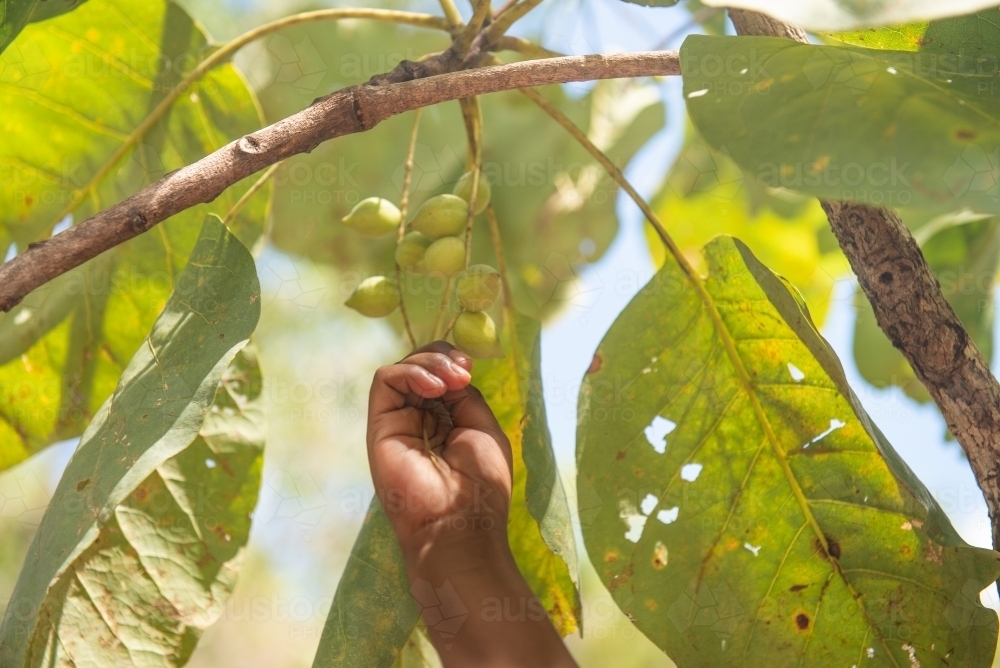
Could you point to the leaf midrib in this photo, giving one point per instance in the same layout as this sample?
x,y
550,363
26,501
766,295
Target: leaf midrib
x,y
746,384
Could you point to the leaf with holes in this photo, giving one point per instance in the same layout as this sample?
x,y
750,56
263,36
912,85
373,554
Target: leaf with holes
x,y
140,544
889,128
830,15
741,505
15,14
81,131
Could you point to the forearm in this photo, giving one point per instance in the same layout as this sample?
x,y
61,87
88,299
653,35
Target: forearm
x,y
479,610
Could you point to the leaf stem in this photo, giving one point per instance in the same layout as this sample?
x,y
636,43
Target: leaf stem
x,y
494,225
445,301
615,174
404,201
253,190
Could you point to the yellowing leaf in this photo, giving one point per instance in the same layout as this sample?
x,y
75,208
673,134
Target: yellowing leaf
x,y
743,507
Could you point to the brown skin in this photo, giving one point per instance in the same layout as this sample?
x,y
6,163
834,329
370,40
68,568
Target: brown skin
x,y
448,498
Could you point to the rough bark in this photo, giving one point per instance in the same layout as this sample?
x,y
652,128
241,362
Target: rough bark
x,y
355,109
914,314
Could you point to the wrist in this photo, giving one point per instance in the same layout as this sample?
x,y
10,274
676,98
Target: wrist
x,y
440,555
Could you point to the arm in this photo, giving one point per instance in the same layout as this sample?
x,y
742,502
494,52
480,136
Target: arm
x,y
442,470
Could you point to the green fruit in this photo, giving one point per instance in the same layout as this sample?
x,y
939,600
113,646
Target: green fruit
x,y
475,334
464,190
374,297
445,256
410,251
441,216
478,287
373,217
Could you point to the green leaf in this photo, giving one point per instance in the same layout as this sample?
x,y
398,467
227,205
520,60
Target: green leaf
x,y
373,614
706,194
15,14
838,15
539,529
74,91
888,128
965,259
773,523
130,559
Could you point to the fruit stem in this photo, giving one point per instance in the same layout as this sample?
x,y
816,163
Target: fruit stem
x,y
445,301
472,114
404,201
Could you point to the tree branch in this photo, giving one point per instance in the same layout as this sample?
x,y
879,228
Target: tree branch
x,y
354,109
913,312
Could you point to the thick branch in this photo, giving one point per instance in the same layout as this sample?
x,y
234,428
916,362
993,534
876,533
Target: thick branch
x,y
349,110
913,312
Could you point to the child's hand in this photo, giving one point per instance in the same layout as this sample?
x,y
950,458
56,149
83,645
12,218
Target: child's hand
x,y
440,462
442,471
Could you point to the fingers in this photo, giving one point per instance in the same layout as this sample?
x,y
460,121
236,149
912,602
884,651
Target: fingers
x,y
428,373
444,348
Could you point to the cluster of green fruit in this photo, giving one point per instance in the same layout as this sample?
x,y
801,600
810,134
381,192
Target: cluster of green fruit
x,y
433,245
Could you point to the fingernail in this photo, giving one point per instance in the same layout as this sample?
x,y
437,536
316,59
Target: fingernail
x,y
461,372
460,357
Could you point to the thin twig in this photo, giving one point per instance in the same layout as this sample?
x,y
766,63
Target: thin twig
x,y
481,12
505,20
507,5
257,185
404,201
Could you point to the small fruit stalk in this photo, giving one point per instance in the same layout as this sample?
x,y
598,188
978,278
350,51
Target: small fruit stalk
x,y
437,241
